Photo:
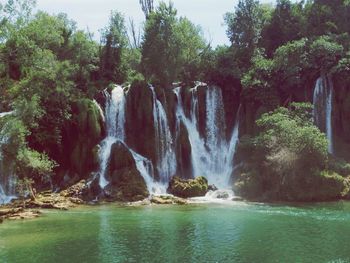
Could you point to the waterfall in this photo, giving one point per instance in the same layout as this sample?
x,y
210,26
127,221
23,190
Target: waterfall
x,y
6,180
115,122
212,156
3,114
323,108
145,167
166,158
100,109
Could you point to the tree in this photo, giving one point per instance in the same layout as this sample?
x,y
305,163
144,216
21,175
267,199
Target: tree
x,y
327,17
17,11
285,25
291,66
171,47
115,41
244,28
288,159
147,7
325,53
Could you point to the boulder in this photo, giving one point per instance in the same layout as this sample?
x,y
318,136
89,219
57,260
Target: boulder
x,y
126,182
212,187
168,200
188,188
120,158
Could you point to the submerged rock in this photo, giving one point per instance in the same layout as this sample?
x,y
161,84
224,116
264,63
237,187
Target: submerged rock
x,y
188,188
17,213
126,182
212,187
168,200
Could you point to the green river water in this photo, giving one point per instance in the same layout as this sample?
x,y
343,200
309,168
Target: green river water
x,y
235,232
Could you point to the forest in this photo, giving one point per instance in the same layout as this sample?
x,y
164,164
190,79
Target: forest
x,y
55,78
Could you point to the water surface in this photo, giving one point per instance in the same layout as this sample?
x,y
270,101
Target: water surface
x,y
236,232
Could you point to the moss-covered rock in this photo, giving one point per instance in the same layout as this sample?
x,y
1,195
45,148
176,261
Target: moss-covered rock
x,y
81,138
126,182
188,188
168,200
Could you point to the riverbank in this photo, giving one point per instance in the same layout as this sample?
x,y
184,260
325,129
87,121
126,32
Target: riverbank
x,y
32,208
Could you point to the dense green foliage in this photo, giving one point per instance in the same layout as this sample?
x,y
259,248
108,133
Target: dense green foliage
x,y
171,47
289,160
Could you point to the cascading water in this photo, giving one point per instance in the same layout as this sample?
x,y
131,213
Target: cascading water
x,y
213,155
166,158
6,182
145,167
115,122
3,114
323,107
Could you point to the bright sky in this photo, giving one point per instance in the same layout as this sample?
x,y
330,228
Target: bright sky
x,y
94,14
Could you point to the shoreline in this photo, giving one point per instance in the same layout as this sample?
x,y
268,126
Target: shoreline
x,y
31,209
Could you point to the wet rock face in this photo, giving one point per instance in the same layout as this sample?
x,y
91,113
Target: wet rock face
x,y
188,188
126,182
183,153
168,99
191,94
341,116
139,126
231,99
202,109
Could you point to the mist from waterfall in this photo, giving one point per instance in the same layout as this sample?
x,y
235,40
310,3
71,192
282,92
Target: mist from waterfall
x,y
323,108
213,154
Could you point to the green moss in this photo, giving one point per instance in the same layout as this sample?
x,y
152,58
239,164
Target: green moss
x,y
188,188
93,122
87,132
88,119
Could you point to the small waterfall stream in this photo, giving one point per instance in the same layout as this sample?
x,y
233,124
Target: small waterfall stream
x,y
6,180
323,108
166,158
212,156
115,122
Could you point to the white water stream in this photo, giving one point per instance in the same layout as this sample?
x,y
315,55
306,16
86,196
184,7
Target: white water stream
x,y
323,108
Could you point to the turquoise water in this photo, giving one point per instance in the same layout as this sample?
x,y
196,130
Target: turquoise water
x,y
237,232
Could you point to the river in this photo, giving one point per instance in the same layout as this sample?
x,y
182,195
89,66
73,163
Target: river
x,y
227,232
